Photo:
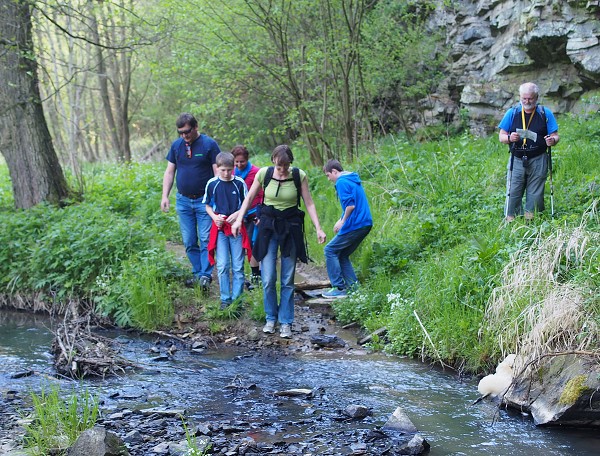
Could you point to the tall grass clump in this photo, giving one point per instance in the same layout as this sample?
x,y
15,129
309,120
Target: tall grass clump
x,y
58,422
548,300
138,294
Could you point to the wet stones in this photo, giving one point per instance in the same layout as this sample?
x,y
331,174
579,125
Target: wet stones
x,y
357,412
327,341
98,442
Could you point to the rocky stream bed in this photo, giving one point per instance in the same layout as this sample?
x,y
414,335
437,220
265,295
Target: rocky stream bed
x,y
244,392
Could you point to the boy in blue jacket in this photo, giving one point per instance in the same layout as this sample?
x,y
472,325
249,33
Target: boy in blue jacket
x,y
352,227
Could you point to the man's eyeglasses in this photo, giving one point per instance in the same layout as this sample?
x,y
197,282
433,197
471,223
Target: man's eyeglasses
x,y
185,132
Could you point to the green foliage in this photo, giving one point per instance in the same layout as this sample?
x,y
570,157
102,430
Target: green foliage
x,y
133,191
396,33
141,292
106,248
143,285
6,196
254,301
57,422
272,73
63,251
439,247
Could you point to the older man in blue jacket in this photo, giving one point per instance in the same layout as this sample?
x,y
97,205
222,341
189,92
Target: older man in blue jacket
x,y
350,230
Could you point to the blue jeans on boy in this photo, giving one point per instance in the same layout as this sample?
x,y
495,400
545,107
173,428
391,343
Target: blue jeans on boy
x,y
195,224
284,312
337,257
230,257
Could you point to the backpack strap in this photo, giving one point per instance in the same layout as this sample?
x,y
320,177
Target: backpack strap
x,y
539,108
542,111
268,176
295,178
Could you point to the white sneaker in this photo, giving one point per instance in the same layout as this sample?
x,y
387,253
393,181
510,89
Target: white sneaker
x,y
269,327
285,331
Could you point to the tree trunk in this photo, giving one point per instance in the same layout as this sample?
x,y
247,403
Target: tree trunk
x,y
26,144
103,82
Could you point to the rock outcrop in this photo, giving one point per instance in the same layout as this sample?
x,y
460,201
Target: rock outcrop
x,y
498,44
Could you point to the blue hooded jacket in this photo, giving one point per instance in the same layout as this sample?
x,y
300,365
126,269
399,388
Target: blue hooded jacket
x,y
352,193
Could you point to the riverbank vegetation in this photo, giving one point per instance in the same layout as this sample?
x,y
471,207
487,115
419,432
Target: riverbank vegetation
x,y
441,271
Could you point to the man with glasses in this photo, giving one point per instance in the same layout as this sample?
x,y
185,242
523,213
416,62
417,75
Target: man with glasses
x,y
529,130
192,162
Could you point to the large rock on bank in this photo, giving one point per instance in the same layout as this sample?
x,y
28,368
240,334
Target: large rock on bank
x,y
560,390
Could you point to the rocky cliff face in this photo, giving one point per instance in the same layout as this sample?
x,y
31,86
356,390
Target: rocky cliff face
x,y
499,44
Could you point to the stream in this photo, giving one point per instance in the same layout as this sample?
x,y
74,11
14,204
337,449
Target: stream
x,y
437,402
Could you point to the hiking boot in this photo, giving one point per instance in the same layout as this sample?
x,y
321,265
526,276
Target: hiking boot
x,y
249,285
335,293
191,283
205,282
286,331
269,327
255,279
225,305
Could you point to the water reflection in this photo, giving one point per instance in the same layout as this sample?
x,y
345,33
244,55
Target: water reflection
x,y
438,404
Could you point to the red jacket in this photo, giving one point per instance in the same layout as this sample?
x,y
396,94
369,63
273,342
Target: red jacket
x,y
226,228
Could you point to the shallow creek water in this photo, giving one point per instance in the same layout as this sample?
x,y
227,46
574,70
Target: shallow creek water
x,y
437,402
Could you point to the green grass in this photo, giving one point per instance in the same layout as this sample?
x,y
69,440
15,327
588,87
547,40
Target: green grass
x,y
57,422
439,247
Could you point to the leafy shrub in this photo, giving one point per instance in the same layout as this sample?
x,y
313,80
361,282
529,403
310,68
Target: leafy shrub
x,y
138,294
63,251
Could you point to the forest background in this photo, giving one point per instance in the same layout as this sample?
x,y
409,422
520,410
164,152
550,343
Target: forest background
x,y
334,78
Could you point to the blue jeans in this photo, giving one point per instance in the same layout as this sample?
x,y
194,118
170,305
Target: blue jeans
x,y
195,225
528,180
337,257
230,257
284,312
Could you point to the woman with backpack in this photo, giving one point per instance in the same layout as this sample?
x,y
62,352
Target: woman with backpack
x,y
281,228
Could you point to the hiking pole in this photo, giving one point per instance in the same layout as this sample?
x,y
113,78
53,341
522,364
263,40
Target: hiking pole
x,y
508,186
551,182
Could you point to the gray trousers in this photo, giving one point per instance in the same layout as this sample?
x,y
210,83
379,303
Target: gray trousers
x,y
529,180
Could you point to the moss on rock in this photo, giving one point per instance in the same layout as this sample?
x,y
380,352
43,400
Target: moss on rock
x,y
573,390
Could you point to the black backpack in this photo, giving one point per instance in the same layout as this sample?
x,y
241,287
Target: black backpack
x,y
295,177
541,111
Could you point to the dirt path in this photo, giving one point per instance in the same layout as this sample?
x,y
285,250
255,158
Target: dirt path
x,y
312,317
